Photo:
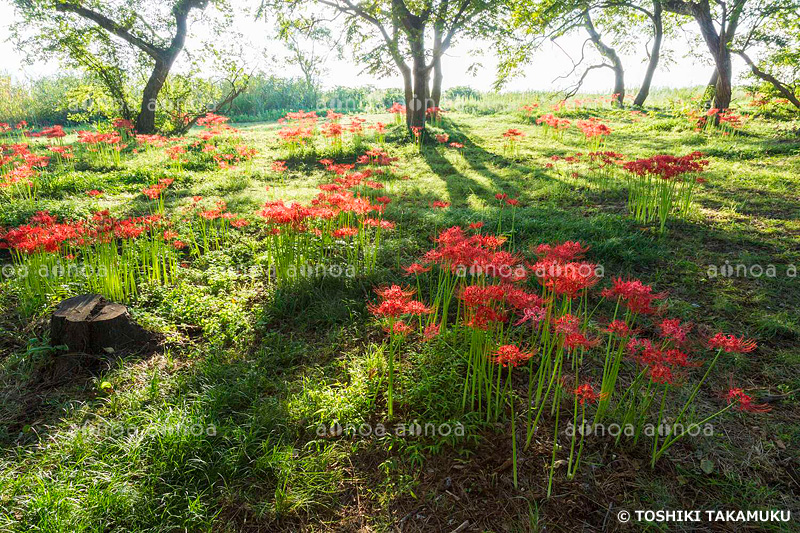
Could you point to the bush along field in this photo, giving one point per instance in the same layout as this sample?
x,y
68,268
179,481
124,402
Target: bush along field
x,y
509,321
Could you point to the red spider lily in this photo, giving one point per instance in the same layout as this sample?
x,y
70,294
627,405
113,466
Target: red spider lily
x,y
746,402
567,279
94,193
122,124
637,296
279,213
175,152
456,145
567,324
397,108
677,358
586,393
553,122
416,269
513,133
394,292
534,315
510,355
54,132
153,192
210,119
592,128
731,343
619,328
442,138
430,332
438,204
396,302
668,167
375,223
565,251
345,232
579,340
399,328
672,330
156,141
661,374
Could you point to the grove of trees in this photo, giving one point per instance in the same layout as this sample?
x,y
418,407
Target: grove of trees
x,y
129,47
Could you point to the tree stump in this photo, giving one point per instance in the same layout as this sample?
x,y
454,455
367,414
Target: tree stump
x,y
90,324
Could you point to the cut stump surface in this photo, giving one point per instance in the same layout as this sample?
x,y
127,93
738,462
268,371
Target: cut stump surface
x,y
90,324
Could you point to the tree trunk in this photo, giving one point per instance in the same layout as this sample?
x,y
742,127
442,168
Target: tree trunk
x,y
146,121
610,54
655,54
718,46
436,91
722,97
408,89
420,84
711,89
420,94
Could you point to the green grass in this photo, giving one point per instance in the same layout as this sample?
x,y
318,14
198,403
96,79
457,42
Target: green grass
x,y
219,428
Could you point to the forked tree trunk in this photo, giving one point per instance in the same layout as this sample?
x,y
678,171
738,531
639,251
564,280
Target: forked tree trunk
x,y
655,54
163,57
718,42
610,54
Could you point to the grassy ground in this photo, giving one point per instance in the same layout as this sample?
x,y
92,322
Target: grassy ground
x,y
217,429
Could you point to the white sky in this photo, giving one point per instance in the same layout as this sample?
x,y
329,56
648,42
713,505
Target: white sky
x,y
548,64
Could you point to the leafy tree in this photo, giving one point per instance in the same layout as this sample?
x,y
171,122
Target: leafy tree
x,y
776,40
90,34
549,20
393,35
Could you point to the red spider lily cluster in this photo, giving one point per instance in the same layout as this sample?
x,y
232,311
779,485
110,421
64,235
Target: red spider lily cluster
x,y
434,115
19,168
210,226
345,216
529,109
156,192
299,130
662,185
53,132
726,122
399,112
553,124
592,128
218,143
396,305
502,302
107,255
594,131
512,138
